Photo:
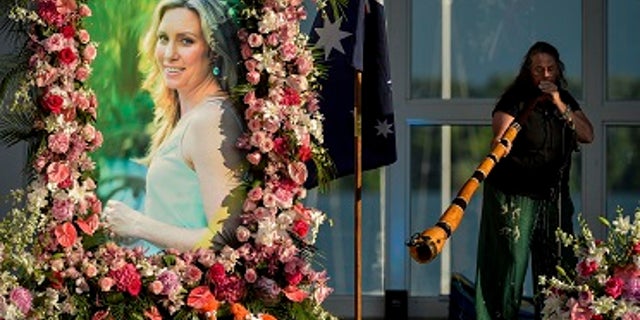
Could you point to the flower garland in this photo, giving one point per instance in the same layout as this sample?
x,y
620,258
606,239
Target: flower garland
x,y
56,259
605,284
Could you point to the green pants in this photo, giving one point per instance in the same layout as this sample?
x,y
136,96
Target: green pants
x,y
512,227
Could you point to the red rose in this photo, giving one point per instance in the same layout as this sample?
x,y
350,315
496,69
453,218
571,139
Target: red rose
x,y
613,287
68,31
53,103
304,153
217,273
301,228
67,56
127,279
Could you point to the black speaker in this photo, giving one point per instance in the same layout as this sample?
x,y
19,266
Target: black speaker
x,y
396,305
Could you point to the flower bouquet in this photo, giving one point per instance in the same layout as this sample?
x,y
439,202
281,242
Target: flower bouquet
x,y
57,260
606,281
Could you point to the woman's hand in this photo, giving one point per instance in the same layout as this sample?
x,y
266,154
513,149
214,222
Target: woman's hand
x,y
122,220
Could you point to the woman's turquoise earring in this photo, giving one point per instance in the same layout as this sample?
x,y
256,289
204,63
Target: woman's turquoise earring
x,y
216,71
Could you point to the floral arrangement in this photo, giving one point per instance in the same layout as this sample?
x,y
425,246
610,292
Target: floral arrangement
x,y
57,260
606,281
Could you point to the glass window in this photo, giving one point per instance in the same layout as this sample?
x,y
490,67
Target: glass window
x,y
623,50
488,41
623,169
336,241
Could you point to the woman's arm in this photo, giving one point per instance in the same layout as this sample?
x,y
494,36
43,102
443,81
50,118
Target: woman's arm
x,y
500,122
577,118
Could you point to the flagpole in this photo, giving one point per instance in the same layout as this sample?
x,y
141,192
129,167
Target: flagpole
x,y
357,115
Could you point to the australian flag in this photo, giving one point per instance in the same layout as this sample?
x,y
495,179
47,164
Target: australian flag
x,y
356,40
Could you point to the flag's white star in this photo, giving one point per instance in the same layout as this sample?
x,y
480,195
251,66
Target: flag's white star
x,y
384,128
329,37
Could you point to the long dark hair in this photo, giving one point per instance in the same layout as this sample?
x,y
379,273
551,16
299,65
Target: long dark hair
x,y
522,85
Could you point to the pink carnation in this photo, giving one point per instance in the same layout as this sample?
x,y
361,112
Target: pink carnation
x,y
59,142
170,282
127,279
22,298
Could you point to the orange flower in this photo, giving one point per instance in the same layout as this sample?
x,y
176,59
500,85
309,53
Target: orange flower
x,y
66,234
268,317
152,314
239,311
201,299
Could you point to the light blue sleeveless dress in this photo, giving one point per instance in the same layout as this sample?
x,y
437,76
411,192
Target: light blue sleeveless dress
x,y
173,192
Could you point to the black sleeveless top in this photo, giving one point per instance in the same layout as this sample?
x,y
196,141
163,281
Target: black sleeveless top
x,y
539,162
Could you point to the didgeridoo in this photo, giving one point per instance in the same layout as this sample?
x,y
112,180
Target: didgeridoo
x,y
425,246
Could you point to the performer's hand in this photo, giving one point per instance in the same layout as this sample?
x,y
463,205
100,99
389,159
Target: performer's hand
x,y
496,141
122,220
550,89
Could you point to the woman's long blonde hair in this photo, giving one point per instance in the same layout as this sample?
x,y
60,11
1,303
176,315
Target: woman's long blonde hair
x,y
220,32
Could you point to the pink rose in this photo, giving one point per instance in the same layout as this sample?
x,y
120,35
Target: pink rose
x,y
272,39
66,6
82,73
255,194
91,271
156,287
46,75
84,10
250,275
288,51
266,145
245,51
192,274
243,234
254,158
55,42
83,36
89,53
253,77
255,40
106,284
304,64
251,65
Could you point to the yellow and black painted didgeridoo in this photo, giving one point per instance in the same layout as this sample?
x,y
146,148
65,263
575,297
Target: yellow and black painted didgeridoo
x,y
425,246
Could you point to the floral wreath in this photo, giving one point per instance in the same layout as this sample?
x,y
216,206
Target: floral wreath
x,y
56,258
